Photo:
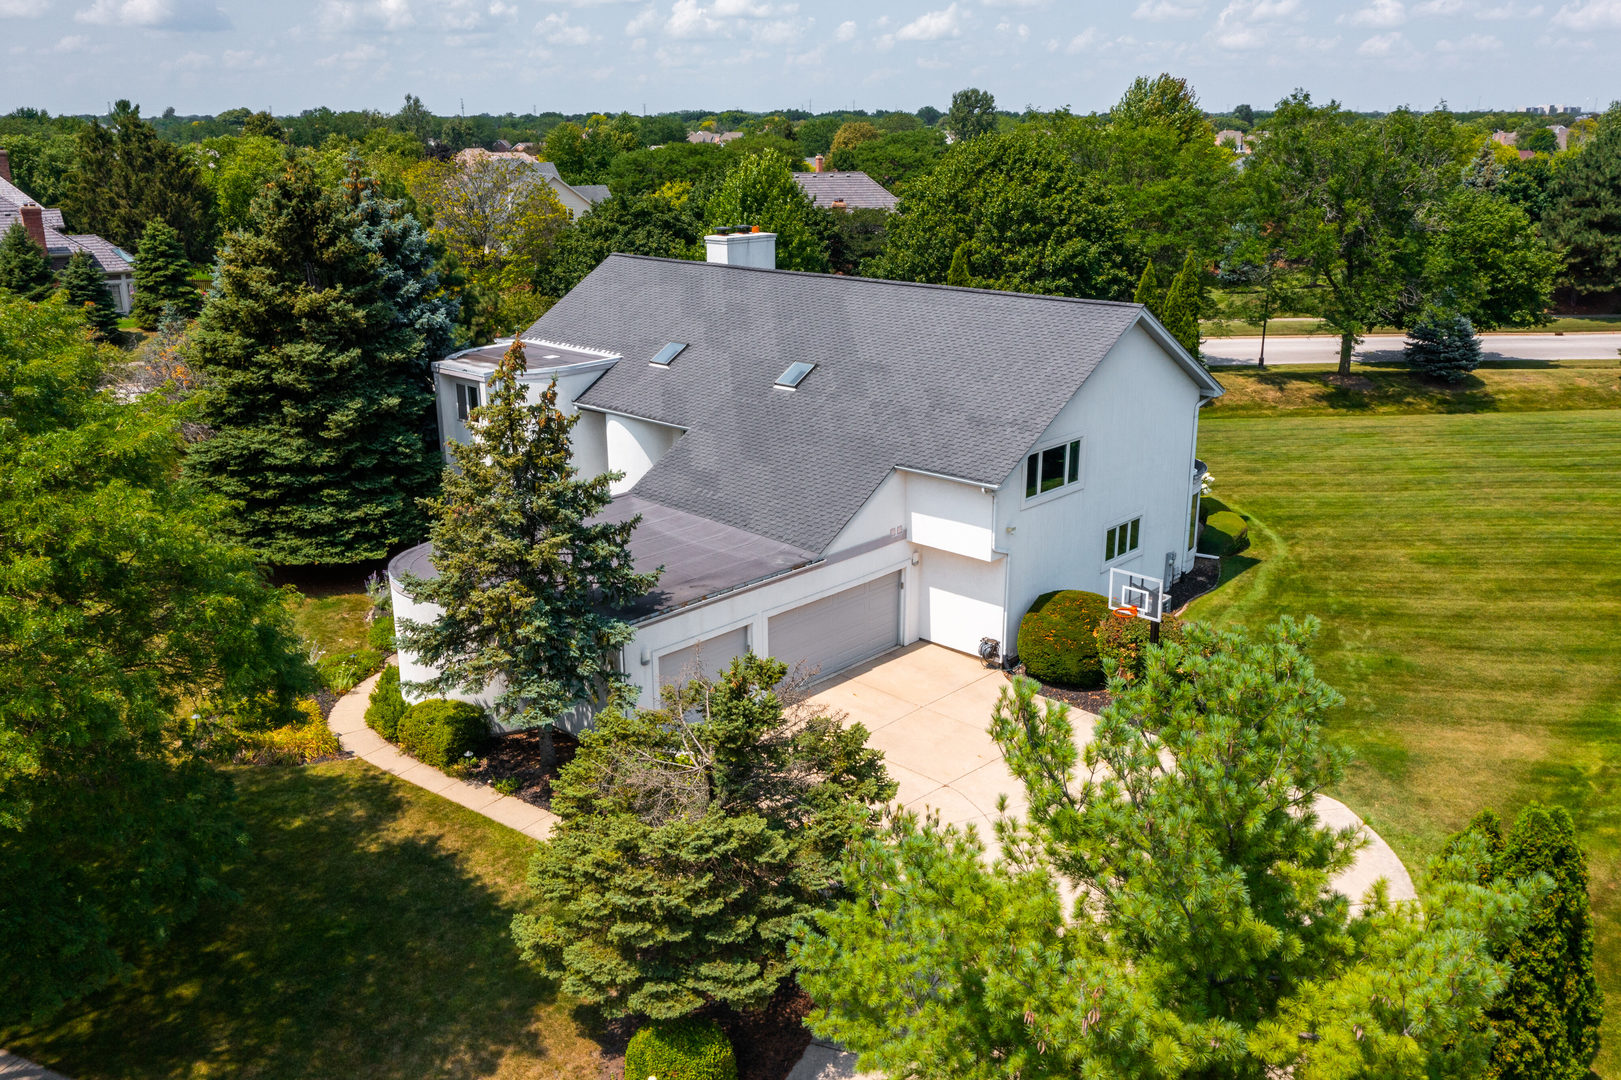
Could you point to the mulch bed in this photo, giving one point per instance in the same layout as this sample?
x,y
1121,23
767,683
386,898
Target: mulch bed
x,y
521,756
768,1042
1204,576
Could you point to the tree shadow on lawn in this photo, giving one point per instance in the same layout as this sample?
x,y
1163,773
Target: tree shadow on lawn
x,y
358,950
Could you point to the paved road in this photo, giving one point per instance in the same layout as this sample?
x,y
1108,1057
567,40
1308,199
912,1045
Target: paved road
x,y
1322,349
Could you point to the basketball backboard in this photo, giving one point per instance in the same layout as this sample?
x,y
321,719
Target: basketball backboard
x,y
1136,595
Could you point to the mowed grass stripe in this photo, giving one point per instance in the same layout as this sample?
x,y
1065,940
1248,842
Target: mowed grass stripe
x,y
1467,569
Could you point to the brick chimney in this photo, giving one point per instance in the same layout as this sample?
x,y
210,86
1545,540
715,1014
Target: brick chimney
x,y
34,222
821,163
5,165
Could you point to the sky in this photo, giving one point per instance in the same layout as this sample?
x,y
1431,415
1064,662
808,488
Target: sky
x,y
204,56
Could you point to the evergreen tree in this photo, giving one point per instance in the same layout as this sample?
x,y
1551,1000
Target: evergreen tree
x,y
1443,346
1202,937
132,644
1180,313
1148,293
23,269
527,580
316,389
125,175
86,285
726,813
1546,1021
961,273
1583,220
162,277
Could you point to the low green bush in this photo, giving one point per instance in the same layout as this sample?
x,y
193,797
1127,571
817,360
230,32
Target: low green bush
x,y
691,1048
440,733
386,705
340,674
380,634
1209,504
1225,533
1056,641
1125,641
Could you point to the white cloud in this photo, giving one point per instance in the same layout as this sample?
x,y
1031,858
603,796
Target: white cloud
x,y
643,22
338,15
1242,23
1471,44
155,14
1166,10
557,30
933,25
358,56
72,43
1383,45
1380,13
23,9
1438,7
1083,41
846,31
1512,10
1592,15
1019,30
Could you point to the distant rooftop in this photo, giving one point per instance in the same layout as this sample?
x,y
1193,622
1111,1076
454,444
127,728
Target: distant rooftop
x,y
850,189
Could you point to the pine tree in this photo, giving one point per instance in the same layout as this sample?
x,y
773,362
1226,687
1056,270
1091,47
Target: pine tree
x,y
316,388
86,285
526,579
1547,1018
23,269
1148,292
162,277
726,812
1443,346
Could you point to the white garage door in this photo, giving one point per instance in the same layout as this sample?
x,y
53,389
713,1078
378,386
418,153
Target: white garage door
x,y
839,630
708,658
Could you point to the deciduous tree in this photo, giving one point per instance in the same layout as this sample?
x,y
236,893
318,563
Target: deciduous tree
x,y
132,643
1584,219
1033,221
761,191
653,224
1484,260
853,134
1202,937
497,216
972,114
694,839
529,578
894,159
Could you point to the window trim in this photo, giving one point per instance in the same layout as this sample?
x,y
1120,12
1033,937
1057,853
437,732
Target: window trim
x,y
1074,465
1135,519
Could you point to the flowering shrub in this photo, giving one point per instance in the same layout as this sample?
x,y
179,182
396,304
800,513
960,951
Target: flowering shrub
x,y
1124,641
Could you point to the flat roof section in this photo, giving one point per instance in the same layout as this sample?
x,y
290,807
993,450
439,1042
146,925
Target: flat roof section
x,y
538,355
701,558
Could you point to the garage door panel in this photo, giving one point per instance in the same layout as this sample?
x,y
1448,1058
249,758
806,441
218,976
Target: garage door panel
x,y
708,658
837,631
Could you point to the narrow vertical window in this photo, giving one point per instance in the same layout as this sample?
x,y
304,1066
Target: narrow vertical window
x,y
1031,473
1074,461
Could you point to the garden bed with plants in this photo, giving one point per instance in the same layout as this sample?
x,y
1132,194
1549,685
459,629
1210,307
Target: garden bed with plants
x,y
516,764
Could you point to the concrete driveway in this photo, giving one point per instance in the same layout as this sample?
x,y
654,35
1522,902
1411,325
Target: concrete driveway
x,y
929,710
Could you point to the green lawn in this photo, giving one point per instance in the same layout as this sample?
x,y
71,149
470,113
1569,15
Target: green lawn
x,y
371,941
336,622
1302,327
1467,570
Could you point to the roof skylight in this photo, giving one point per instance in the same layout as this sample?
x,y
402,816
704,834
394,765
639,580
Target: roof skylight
x,y
795,374
668,353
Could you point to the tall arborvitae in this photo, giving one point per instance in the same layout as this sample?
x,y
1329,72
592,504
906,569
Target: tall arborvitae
x,y
316,390
1180,310
528,582
86,285
23,269
162,278
1148,292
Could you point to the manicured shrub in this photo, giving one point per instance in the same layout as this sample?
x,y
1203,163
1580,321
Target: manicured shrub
x,y
380,634
1125,641
440,733
1443,347
1225,533
1056,640
1209,504
387,705
691,1048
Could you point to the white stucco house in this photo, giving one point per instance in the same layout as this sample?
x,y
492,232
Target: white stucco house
x,y
828,467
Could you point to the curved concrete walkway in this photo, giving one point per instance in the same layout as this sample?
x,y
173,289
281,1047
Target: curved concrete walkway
x,y
348,722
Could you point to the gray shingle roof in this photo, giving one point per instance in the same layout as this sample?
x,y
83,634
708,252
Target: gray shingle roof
x,y
954,381
592,193
857,190
59,244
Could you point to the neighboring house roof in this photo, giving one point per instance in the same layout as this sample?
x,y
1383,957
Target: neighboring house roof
x,y
590,193
593,193
854,188
959,382
713,137
60,246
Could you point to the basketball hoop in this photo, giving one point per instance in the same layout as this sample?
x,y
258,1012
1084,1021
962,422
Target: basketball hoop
x,y
1138,596
1127,611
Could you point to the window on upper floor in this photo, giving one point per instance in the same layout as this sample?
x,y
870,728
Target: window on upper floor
x,y
1121,539
1052,468
466,400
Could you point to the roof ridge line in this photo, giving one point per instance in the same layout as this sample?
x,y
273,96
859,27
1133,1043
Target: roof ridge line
x,y
877,281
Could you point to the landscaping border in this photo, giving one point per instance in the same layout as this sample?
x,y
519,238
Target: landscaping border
x,y
348,721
